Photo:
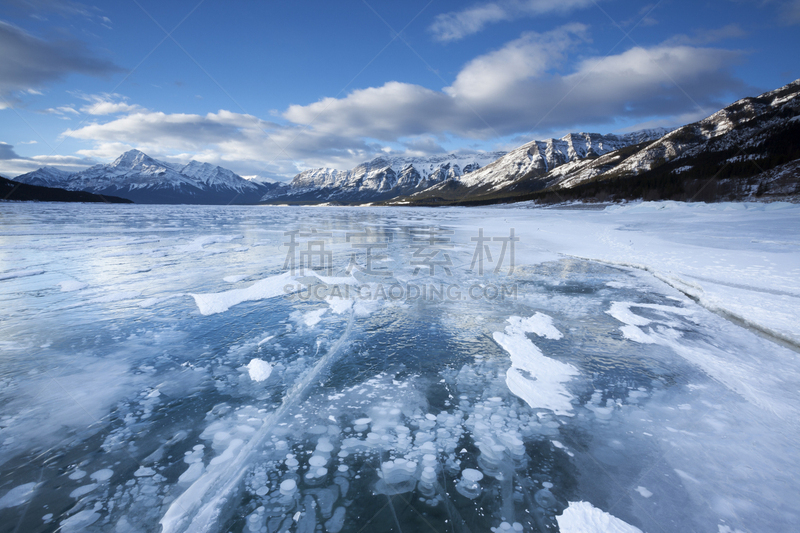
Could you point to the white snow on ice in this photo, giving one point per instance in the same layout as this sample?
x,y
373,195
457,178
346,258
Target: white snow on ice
x,y
72,285
259,369
537,379
312,318
583,517
219,302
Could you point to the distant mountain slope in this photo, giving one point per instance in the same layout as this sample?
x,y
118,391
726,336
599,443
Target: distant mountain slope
x,y
138,177
45,177
748,149
11,190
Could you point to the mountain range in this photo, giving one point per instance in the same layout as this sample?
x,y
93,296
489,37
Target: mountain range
x,y
455,175
383,178
746,150
138,177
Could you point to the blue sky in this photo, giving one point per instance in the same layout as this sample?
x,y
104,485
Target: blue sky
x,y
272,88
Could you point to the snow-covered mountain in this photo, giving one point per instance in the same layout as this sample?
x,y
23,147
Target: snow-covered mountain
x,y
136,176
381,179
46,177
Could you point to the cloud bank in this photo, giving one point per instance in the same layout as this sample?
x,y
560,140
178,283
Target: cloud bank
x,y
27,63
518,89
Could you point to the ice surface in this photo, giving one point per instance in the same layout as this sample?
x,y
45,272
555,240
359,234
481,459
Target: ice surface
x,y
19,274
646,371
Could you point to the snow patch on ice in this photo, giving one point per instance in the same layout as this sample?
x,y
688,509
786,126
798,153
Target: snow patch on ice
x,y
219,302
72,285
259,369
632,333
540,324
537,379
339,305
312,318
583,517
622,312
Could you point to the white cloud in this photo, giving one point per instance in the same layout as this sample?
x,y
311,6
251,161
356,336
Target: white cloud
x,y
377,112
459,24
70,161
106,150
521,87
422,146
62,111
531,56
107,104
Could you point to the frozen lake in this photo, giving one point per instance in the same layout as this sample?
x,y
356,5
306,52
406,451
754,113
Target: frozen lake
x,y
266,369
